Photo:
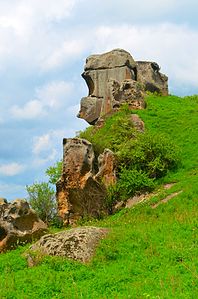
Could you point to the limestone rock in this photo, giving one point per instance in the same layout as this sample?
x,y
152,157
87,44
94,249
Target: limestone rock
x,y
81,191
114,78
117,65
148,74
107,168
18,224
77,244
109,60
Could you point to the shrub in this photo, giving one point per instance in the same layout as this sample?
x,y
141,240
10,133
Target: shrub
x,y
153,154
130,182
42,200
117,130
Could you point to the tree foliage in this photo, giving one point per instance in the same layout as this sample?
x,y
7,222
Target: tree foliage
x,y
42,200
54,172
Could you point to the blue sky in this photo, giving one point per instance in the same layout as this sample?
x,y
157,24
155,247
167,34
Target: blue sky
x,y
43,46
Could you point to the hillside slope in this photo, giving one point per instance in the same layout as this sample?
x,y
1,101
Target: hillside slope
x,y
150,253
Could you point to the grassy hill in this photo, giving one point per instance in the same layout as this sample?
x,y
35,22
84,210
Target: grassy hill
x,y
149,253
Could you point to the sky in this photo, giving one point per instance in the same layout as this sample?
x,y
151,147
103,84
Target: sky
x,y
43,47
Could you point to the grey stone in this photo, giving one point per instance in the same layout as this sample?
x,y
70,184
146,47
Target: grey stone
x,y
78,244
114,78
19,224
148,74
113,59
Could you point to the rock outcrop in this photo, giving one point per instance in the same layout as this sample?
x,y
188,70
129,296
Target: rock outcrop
x,y
114,78
148,74
82,187
18,224
78,244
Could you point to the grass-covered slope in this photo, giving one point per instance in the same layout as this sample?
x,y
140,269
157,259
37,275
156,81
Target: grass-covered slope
x,y
150,253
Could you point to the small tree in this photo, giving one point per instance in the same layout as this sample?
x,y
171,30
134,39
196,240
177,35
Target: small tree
x,y
54,172
42,200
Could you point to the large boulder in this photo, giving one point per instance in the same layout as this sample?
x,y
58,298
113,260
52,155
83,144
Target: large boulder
x,y
19,224
80,191
114,78
78,244
117,65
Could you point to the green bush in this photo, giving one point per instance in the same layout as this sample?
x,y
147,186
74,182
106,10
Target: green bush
x,y
142,157
54,172
130,182
115,132
153,154
42,200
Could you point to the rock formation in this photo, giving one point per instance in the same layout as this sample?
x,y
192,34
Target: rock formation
x,y
18,224
78,244
114,78
148,74
82,187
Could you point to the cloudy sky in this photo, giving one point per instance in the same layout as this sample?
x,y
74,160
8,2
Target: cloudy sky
x,y
43,46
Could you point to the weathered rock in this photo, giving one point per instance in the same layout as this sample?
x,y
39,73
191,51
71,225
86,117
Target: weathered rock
x,y
102,74
77,244
107,168
80,191
114,78
18,224
137,122
148,74
113,59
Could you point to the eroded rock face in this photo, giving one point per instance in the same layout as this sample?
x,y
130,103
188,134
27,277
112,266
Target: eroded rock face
x,y
114,78
107,168
81,191
148,74
18,224
77,244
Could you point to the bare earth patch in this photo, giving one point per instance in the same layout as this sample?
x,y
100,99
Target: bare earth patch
x,y
166,199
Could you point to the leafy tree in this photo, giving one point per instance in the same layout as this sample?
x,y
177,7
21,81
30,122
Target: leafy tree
x,y
42,200
54,172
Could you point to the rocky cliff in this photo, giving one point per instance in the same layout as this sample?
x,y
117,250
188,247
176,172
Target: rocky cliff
x,y
112,78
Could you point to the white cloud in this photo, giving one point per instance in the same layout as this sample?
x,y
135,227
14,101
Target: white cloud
x,y
174,47
11,169
54,94
29,30
41,143
65,51
51,157
30,110
47,147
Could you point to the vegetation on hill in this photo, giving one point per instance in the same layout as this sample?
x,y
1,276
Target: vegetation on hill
x,y
150,252
142,158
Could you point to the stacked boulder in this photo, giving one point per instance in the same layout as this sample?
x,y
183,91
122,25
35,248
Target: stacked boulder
x,y
113,78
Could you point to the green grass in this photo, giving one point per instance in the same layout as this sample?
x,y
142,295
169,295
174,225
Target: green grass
x,y
149,253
